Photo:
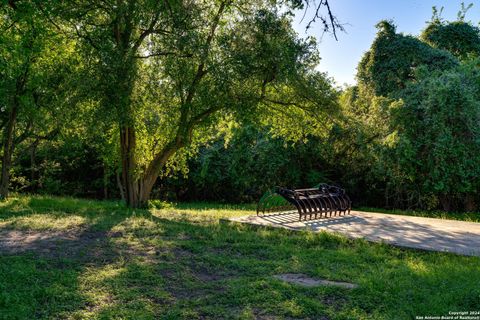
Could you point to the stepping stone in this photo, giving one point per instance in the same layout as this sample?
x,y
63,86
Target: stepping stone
x,y
306,281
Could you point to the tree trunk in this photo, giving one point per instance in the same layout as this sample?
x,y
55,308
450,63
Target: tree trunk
x,y
445,202
130,180
151,174
33,165
8,147
138,195
105,181
138,187
469,202
120,186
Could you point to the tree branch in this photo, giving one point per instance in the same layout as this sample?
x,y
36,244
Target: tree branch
x,y
146,32
49,135
86,36
168,53
201,116
26,133
185,127
201,67
329,23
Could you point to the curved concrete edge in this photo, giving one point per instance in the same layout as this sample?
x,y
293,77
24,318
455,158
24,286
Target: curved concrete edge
x,y
428,234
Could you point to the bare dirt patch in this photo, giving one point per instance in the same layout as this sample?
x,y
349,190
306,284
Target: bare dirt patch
x,y
262,315
205,275
306,281
49,243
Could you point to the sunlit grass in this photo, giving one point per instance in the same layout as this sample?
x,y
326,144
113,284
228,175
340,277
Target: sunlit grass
x,y
464,216
43,222
177,261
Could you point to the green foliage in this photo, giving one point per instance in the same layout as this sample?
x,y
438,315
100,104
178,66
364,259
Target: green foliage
x,y
36,63
36,67
168,73
393,60
460,38
159,76
435,135
66,166
253,161
357,142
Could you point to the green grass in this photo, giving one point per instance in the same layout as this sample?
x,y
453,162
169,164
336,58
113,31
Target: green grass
x,y
464,216
99,260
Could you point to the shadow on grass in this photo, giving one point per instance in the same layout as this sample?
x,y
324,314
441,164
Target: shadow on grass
x,y
150,266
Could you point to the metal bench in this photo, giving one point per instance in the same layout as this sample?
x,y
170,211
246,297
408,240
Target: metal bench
x,y
323,200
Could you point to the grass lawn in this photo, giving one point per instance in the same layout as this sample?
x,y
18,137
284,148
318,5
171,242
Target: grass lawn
x,y
464,216
78,259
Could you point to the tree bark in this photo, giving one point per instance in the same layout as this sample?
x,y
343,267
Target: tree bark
x,y
105,181
120,186
8,147
470,204
151,174
33,165
445,202
130,182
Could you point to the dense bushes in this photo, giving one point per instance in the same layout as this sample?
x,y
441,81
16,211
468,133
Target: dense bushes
x,y
67,167
252,162
427,144
433,154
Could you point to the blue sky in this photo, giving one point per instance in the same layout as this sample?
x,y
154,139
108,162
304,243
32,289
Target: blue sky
x,y
340,58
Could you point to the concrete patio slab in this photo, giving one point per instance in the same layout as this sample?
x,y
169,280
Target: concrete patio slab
x,y
443,235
